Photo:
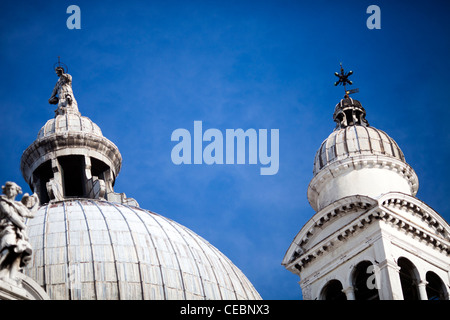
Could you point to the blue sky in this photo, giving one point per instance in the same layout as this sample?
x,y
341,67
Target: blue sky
x,y
142,69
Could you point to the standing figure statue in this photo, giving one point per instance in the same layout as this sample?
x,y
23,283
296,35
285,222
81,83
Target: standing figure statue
x,y
15,250
62,94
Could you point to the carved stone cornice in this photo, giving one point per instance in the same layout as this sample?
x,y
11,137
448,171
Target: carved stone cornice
x,y
438,234
329,214
299,254
416,207
300,259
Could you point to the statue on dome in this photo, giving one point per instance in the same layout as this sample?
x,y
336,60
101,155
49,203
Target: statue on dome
x,y
62,94
15,250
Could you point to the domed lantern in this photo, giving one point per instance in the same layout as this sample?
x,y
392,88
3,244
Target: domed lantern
x,y
357,159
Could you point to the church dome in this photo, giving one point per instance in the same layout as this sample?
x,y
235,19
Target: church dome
x,y
93,243
96,249
354,141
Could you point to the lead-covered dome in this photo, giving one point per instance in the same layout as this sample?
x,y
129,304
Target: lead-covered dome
x,y
357,159
93,249
355,141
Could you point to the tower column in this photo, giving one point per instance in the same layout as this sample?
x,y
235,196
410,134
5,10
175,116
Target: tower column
x,y
423,290
55,184
349,293
390,278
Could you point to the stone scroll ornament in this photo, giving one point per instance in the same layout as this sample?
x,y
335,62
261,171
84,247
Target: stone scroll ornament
x,y
15,250
62,94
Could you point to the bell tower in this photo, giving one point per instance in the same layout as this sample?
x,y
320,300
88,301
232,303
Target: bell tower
x,y
370,238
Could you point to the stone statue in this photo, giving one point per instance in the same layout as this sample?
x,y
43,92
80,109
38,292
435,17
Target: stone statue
x,y
62,94
15,250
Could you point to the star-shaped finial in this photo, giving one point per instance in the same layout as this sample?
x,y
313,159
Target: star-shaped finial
x,y
343,77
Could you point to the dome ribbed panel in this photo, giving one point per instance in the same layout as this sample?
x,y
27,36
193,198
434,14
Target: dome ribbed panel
x,y
340,143
354,141
351,138
69,122
365,143
215,269
91,249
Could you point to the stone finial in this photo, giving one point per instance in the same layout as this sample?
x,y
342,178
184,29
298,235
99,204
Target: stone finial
x,y
15,250
62,94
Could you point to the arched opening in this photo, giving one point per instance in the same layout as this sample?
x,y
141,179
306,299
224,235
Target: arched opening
x,y
41,176
98,168
72,170
365,282
435,287
408,279
333,291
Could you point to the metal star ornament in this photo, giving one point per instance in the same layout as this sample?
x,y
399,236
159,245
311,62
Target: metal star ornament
x,y
343,80
343,77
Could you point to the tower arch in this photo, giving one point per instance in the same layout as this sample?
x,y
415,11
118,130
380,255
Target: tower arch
x,y
409,279
332,291
435,287
364,281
